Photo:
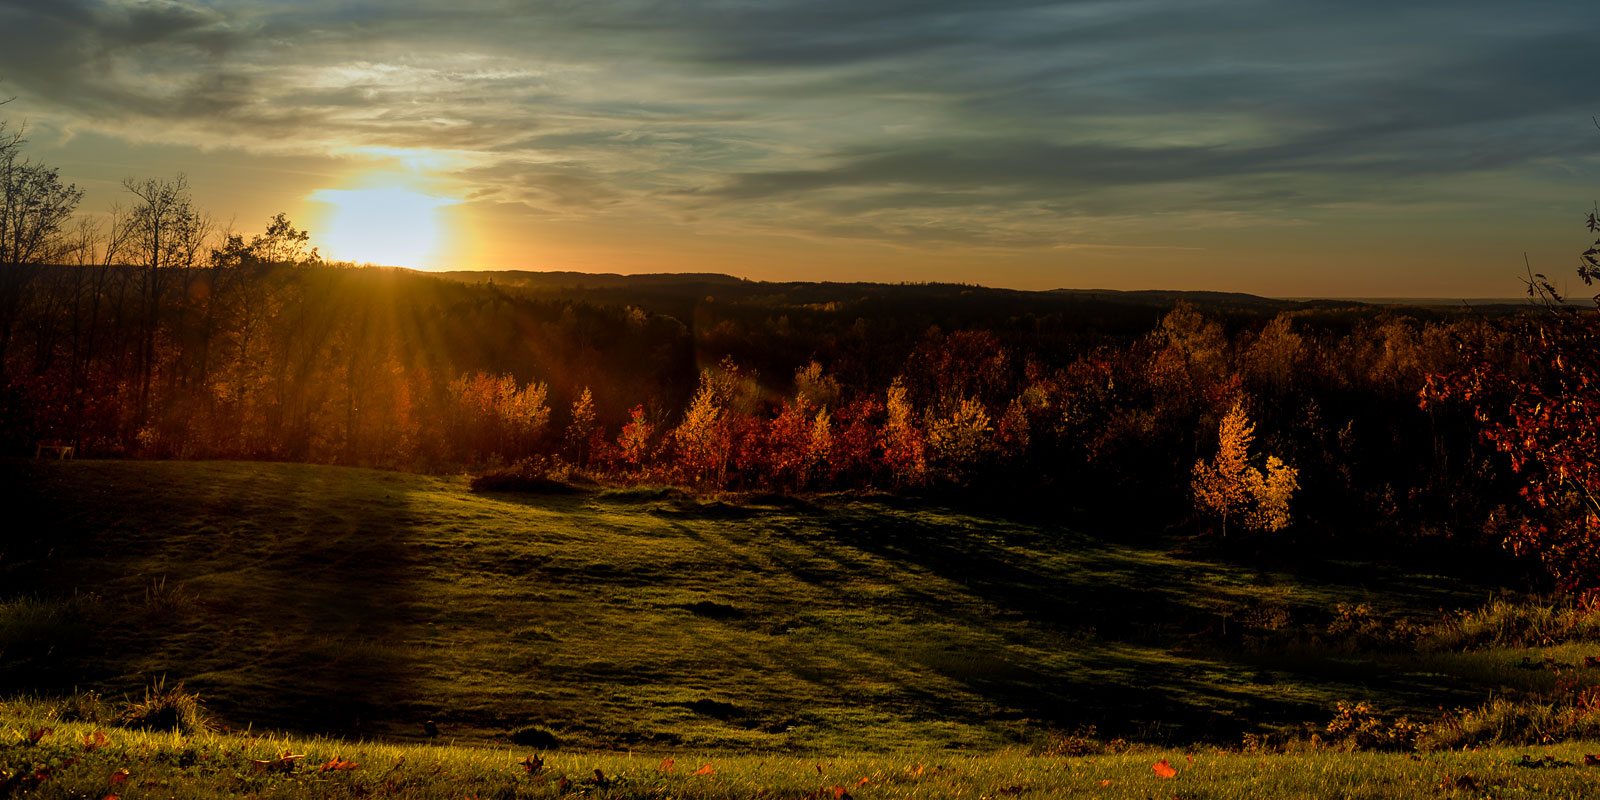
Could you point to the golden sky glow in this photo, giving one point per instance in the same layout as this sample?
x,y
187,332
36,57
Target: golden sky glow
x,y
1345,149
384,225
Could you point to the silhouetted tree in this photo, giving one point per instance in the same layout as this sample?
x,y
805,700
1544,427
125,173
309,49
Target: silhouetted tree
x,y
34,208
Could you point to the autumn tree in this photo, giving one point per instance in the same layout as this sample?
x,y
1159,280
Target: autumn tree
x,y
854,442
819,444
904,449
636,438
1190,360
959,440
819,389
702,441
1272,360
1539,406
496,415
795,446
1013,433
582,428
1230,487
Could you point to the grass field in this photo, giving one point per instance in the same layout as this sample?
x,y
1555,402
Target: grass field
x,y
71,760
363,603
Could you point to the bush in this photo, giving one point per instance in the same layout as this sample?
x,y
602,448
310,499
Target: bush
x,y
1085,741
1359,627
81,707
534,475
1358,726
166,709
535,737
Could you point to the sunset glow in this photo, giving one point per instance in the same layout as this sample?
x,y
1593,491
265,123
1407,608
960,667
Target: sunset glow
x,y
385,226
1284,149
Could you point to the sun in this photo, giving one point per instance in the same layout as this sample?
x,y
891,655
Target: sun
x,y
388,226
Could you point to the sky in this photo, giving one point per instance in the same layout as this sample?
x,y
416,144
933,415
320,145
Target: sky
x,y
1343,148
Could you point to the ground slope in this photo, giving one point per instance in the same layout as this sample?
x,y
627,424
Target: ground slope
x,y
362,602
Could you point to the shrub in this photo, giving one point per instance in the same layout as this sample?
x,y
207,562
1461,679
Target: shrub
x,y
534,475
166,709
81,707
1358,626
1084,741
535,737
1358,726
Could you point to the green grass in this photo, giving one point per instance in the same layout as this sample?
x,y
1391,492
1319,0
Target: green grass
x,y
137,765
362,603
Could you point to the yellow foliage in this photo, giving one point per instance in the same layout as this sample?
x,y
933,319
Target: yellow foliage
x,y
1229,487
1272,491
904,450
819,448
959,440
1273,357
703,439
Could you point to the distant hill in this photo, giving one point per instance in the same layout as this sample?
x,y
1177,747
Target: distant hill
x,y
644,288
591,280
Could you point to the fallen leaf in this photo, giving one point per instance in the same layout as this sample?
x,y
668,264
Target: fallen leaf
x,y
705,769
1106,782
283,763
668,765
119,777
841,793
35,736
338,765
1591,760
96,740
863,782
1163,770
112,796
533,764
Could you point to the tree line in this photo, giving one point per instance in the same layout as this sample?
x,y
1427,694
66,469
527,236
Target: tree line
x,y
152,332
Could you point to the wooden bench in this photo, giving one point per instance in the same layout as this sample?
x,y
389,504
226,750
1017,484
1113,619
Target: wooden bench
x,y
61,450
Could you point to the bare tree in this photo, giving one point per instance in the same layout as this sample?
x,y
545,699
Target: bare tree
x,y
34,207
163,233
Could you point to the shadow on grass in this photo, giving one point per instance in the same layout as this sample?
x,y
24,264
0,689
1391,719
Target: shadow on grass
x,y
362,602
1148,654
280,583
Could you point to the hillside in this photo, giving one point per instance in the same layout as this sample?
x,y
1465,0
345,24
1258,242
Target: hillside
x,y
362,602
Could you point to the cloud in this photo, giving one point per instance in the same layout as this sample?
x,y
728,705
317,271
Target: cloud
x,y
1001,122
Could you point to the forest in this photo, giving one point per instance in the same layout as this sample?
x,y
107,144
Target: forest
x,y
149,332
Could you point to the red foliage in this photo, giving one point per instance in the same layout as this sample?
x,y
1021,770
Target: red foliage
x,y
1541,408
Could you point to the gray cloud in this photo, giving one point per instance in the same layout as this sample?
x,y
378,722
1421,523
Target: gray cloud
x,y
986,120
